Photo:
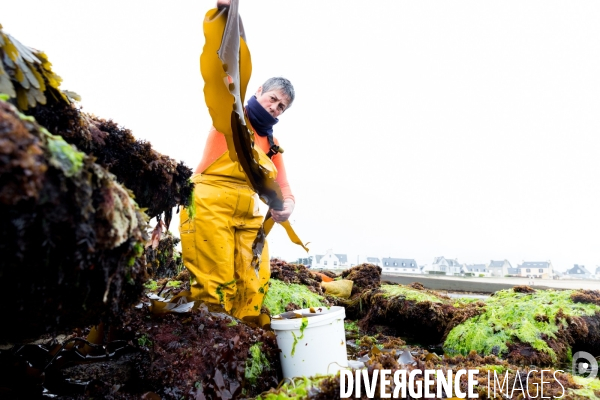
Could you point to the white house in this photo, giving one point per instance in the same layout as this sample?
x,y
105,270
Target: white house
x,y
476,270
536,269
578,272
499,268
443,265
374,261
329,260
399,266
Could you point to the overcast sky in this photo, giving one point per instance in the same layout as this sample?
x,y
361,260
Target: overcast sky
x,y
464,129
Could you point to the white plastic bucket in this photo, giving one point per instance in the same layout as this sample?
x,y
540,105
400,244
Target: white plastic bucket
x,y
319,348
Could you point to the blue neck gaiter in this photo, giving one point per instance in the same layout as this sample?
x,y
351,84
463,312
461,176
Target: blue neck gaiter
x,y
261,120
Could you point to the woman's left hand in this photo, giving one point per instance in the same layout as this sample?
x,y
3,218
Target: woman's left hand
x,y
283,215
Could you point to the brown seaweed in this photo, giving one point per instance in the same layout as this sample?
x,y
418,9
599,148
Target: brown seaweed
x,y
296,273
71,237
164,260
365,276
158,182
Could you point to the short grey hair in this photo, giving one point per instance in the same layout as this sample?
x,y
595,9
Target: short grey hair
x,y
280,83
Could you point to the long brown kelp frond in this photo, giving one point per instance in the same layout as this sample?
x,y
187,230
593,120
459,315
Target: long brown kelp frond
x,y
226,66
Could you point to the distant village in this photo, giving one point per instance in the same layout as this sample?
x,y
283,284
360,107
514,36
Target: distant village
x,y
451,267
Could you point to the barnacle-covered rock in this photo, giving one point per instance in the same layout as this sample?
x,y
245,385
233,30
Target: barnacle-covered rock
x,y
71,237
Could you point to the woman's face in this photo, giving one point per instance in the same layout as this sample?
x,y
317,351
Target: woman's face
x,y
274,101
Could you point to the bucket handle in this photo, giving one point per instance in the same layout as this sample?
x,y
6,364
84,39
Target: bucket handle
x,y
288,379
339,365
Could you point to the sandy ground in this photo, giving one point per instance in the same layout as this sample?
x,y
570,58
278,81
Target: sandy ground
x,y
488,285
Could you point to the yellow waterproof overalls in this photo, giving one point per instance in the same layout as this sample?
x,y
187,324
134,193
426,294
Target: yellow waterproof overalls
x,y
217,241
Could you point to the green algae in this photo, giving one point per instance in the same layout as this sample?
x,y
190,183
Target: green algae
x,y
496,368
256,364
138,249
64,156
281,294
351,327
220,292
516,317
409,293
464,301
191,208
151,285
590,386
303,326
296,389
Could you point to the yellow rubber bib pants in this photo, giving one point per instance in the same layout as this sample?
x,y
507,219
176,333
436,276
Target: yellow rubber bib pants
x,y
217,241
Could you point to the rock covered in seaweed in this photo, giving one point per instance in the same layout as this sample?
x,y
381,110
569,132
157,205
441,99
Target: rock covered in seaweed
x,y
203,355
540,327
71,237
365,276
560,385
296,273
408,311
164,260
282,297
158,182
293,287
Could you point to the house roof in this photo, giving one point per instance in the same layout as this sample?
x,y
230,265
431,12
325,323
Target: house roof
x,y
373,259
408,262
598,269
342,257
535,264
578,270
318,257
473,267
451,263
499,264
